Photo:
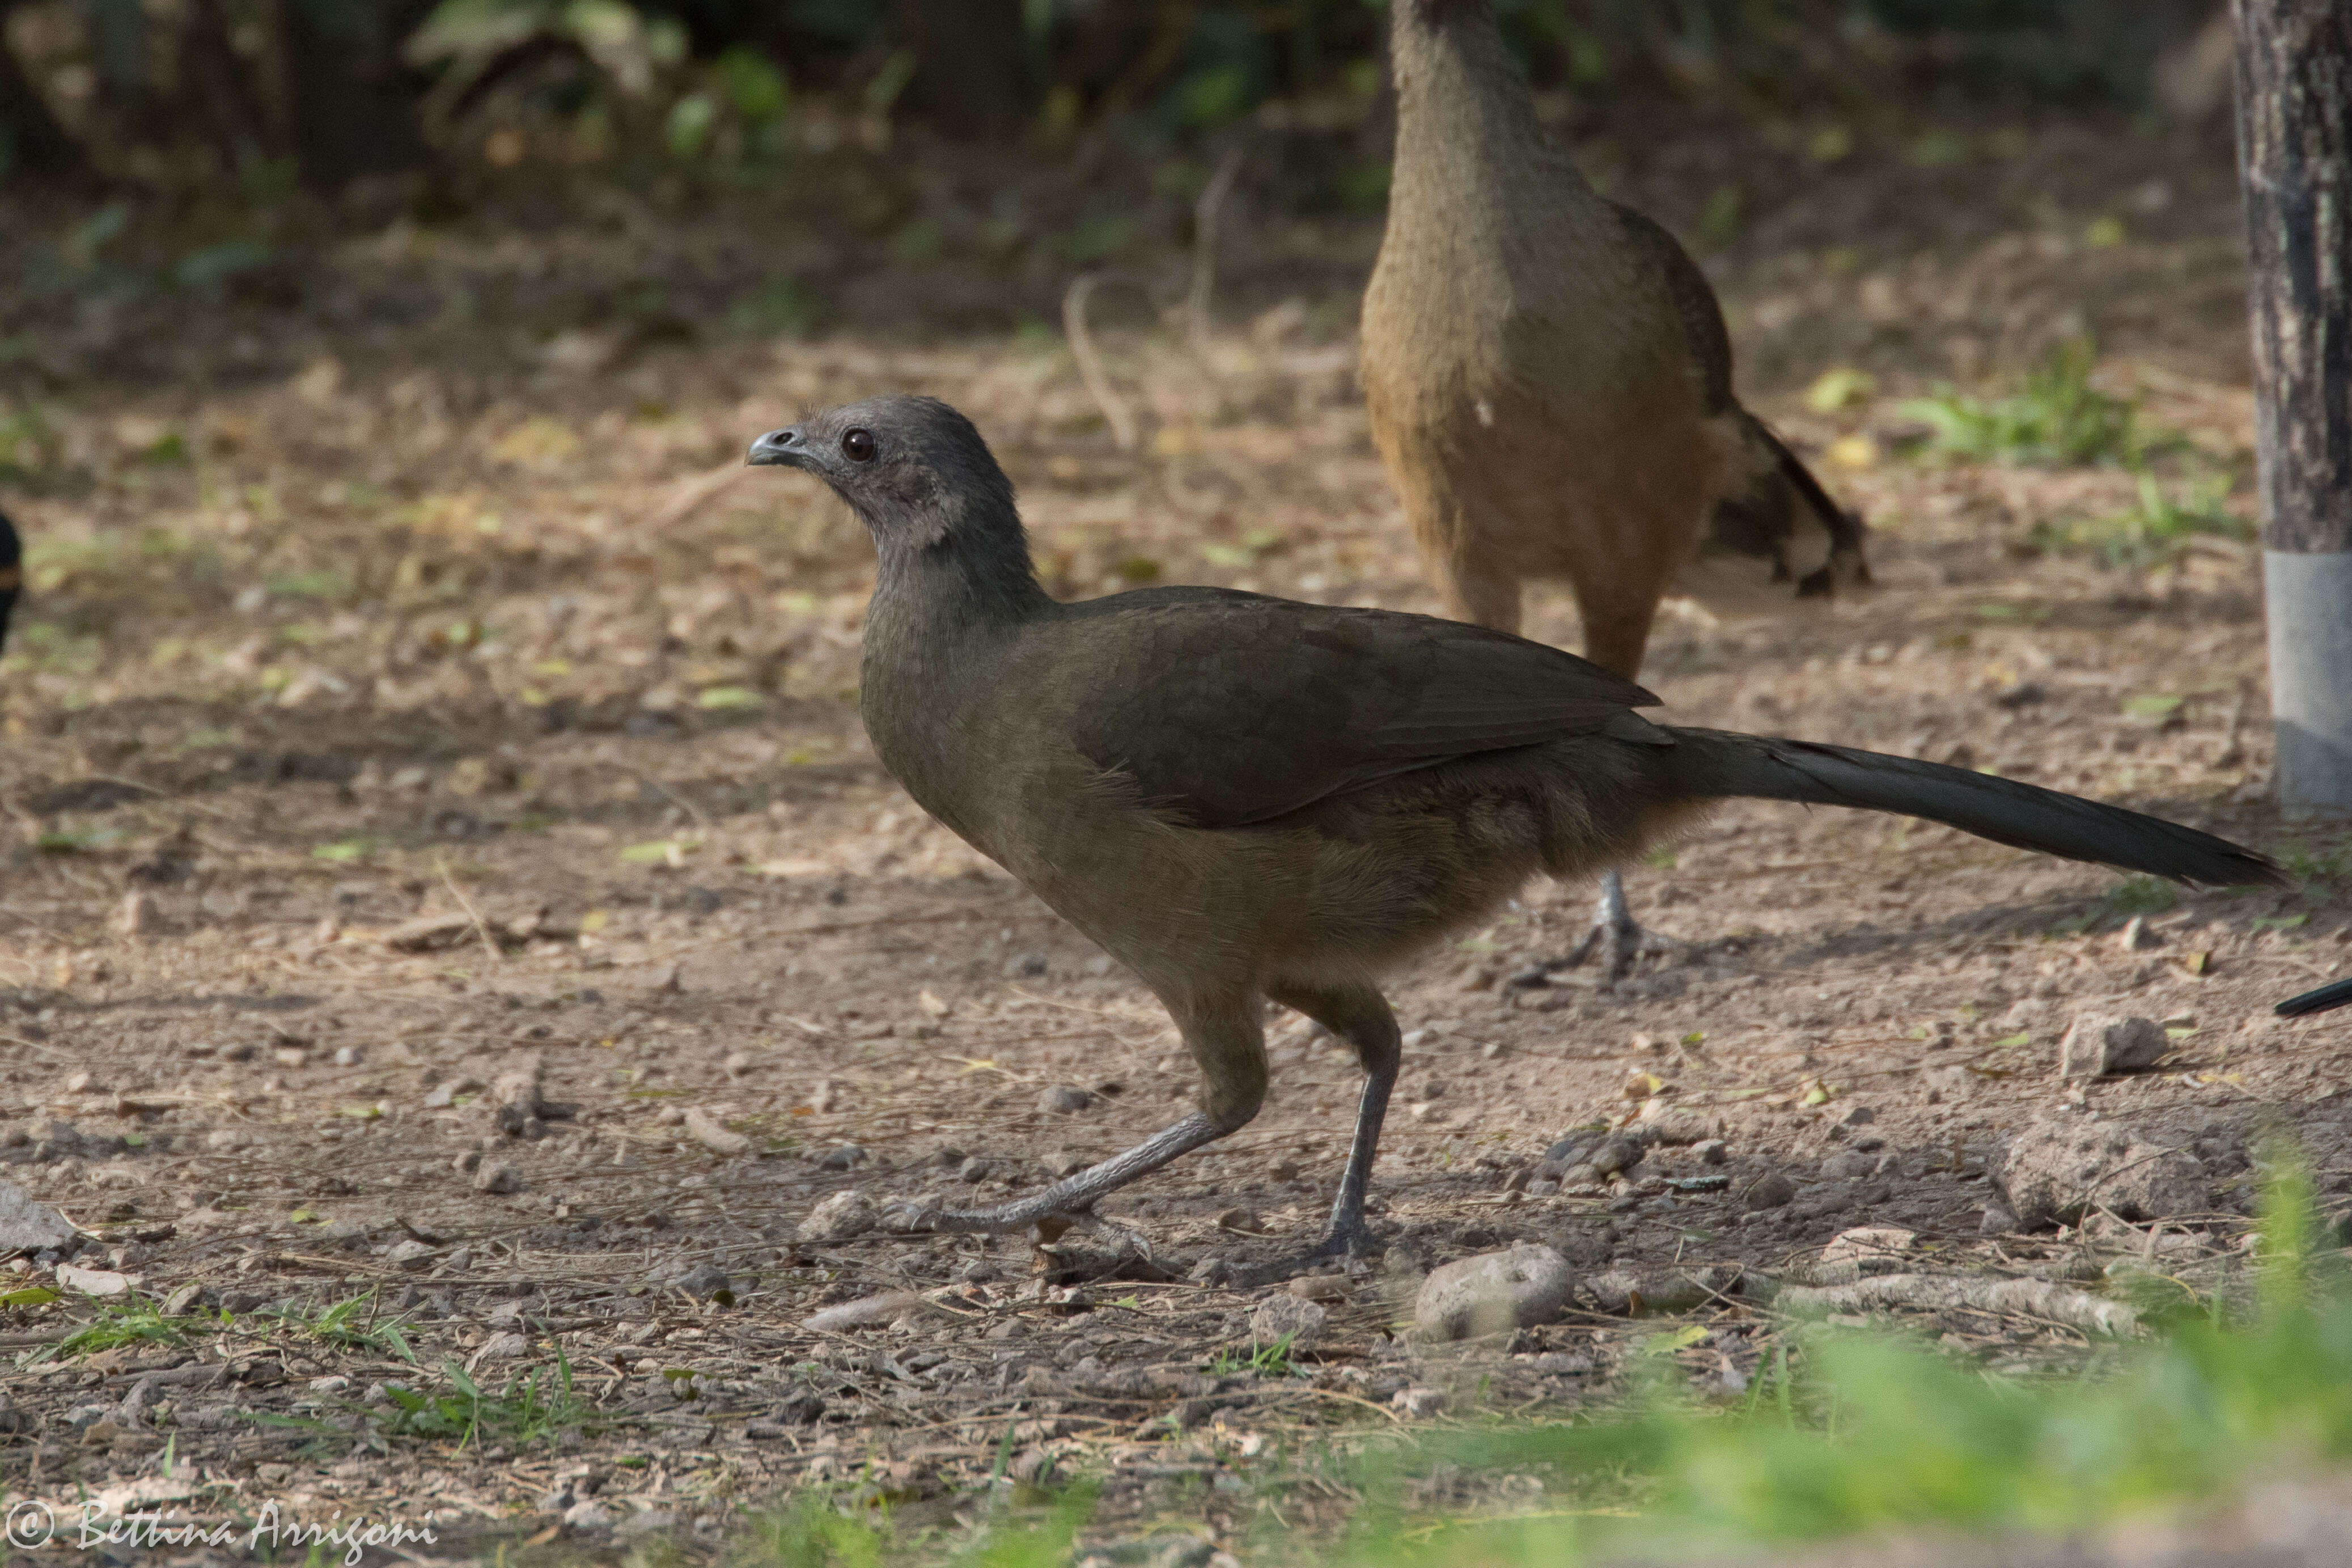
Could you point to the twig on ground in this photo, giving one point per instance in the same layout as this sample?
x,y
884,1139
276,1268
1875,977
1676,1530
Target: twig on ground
x,y
1205,213
481,926
1935,1292
695,494
1114,410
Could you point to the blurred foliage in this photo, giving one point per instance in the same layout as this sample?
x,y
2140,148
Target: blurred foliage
x,y
702,79
2057,418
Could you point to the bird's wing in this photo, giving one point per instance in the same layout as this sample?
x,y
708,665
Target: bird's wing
x,y
1232,709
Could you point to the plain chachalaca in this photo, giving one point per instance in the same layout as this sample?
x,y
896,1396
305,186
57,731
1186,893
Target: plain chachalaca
x,y
12,575
2326,999
1549,380
1242,797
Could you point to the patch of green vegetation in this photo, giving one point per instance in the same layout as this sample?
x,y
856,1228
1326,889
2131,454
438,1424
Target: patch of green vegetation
x,y
1267,1361
2058,420
352,1324
2154,530
78,840
130,1319
2317,865
536,1405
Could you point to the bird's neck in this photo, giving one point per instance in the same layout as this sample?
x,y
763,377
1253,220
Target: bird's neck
x,y
1467,127
933,600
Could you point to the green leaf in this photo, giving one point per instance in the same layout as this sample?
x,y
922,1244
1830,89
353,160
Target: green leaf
x,y
2023,1037
2151,705
729,697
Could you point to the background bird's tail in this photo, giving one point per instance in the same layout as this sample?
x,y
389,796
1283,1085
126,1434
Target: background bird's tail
x,y
12,574
1712,764
2327,998
1785,516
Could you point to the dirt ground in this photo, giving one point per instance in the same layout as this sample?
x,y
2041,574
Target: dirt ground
x,y
411,698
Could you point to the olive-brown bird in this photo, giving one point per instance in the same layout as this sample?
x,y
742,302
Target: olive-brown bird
x,y
1243,798
1548,379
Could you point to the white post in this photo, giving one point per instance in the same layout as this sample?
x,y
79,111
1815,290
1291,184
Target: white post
x,y
2294,160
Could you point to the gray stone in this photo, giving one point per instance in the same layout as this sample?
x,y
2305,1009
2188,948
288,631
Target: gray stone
x,y
705,1280
2057,1171
1064,1099
868,1312
1769,1191
1286,1314
1495,1291
514,1096
1618,1152
498,1177
411,1254
846,1157
2099,1044
1711,1151
839,1218
29,1225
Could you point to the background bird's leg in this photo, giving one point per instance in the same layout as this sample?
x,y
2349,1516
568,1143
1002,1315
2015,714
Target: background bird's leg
x,y
1226,1038
1615,935
1357,1015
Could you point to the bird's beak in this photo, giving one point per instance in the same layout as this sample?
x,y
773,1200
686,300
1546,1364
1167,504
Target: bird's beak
x,y
786,447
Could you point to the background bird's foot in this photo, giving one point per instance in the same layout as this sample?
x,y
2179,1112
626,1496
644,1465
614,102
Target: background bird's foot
x,y
1618,945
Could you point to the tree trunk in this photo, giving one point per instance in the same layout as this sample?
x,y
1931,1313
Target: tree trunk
x,y
351,100
2295,155
207,58
37,146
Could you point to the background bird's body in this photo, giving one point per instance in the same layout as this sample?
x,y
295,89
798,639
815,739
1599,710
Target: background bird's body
x,y
1245,798
1548,374
1548,381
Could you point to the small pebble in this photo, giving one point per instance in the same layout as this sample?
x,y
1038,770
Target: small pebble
x,y
1064,1099
1286,1317
498,1179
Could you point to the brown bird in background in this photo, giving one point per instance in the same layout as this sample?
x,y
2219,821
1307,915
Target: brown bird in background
x,y
1245,799
1549,380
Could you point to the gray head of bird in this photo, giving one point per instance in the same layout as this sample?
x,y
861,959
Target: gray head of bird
x,y
921,479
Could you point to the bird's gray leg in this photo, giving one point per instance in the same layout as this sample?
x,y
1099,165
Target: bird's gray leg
x,y
1357,1015
1615,934
1226,1038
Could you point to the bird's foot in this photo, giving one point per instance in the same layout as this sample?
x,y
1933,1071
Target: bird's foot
x,y
1347,1238
1619,942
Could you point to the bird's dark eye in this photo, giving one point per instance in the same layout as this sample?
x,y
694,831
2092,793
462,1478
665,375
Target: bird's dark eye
x,y
858,446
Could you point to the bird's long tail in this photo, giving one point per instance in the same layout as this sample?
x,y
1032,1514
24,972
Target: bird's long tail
x,y
1712,764
1787,516
2326,999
